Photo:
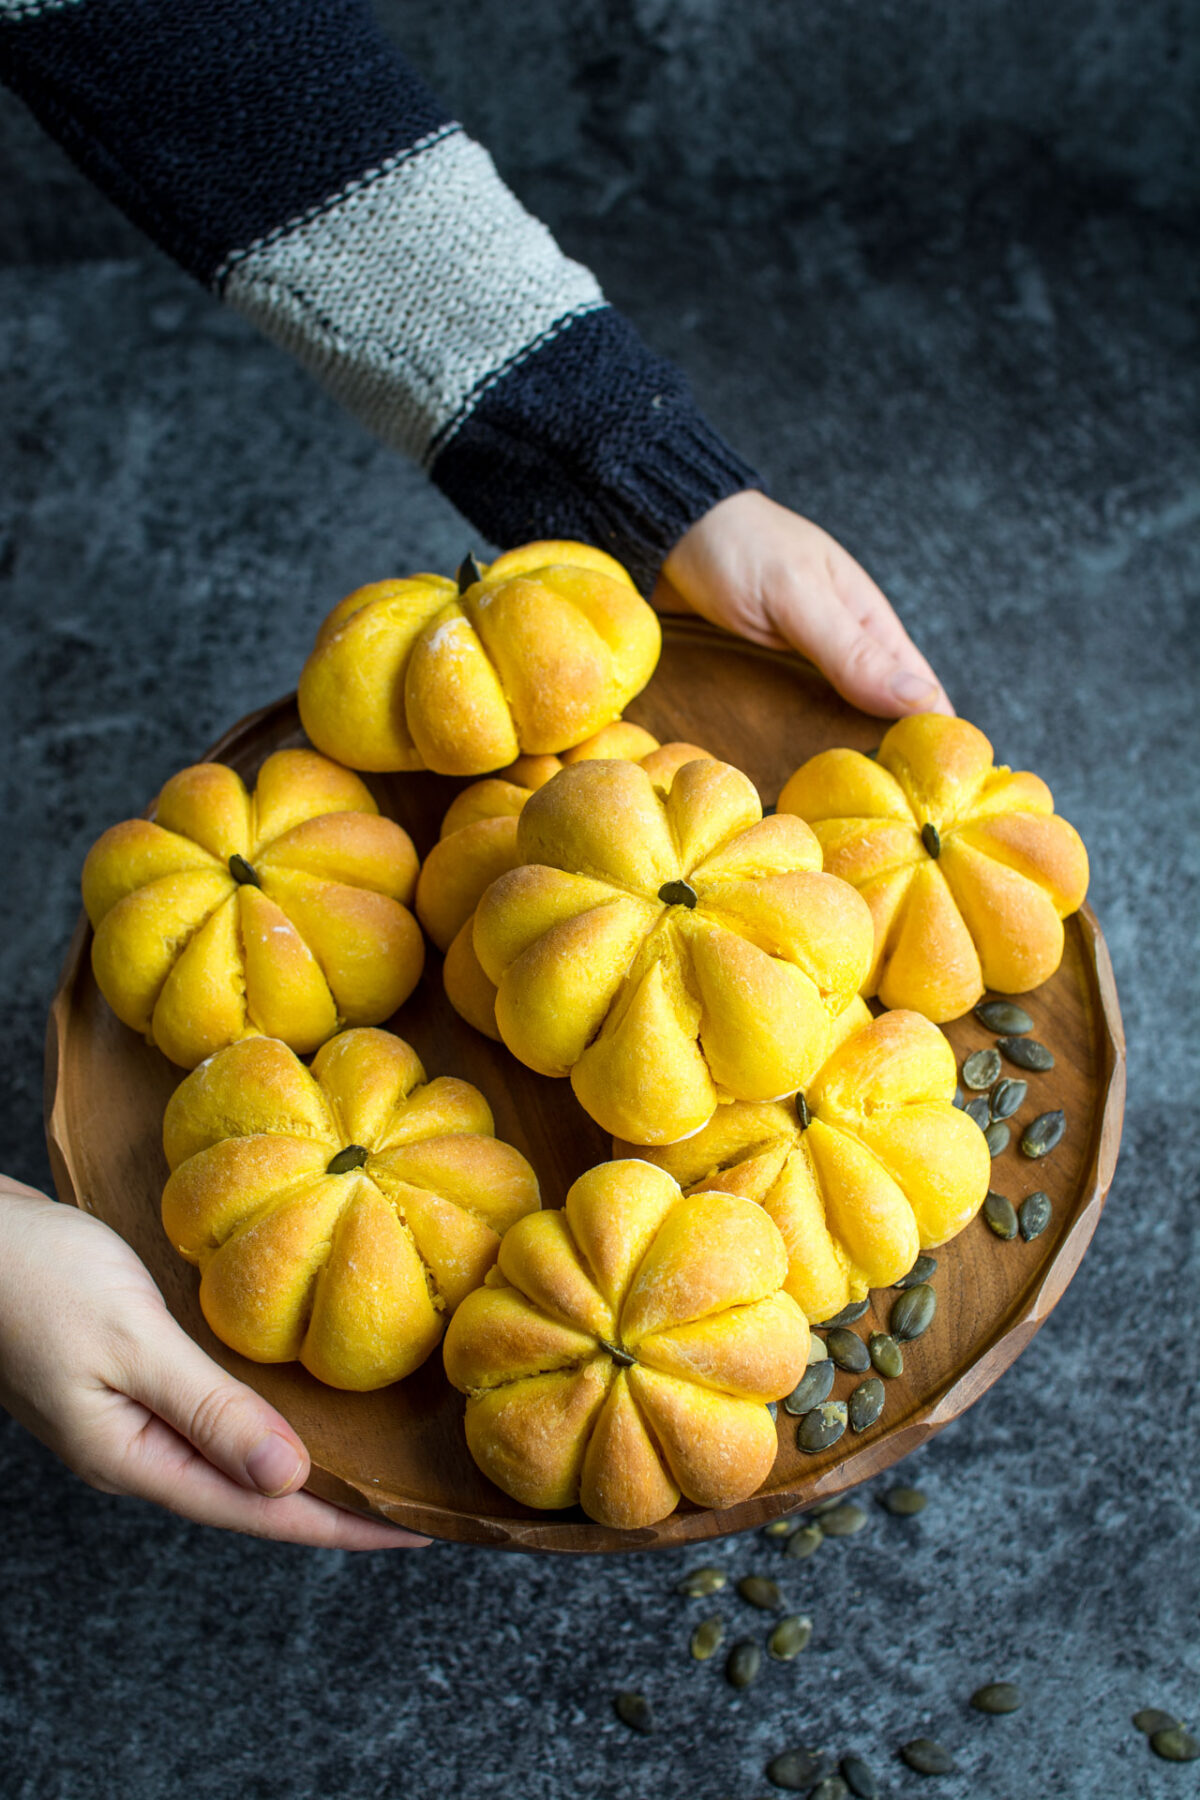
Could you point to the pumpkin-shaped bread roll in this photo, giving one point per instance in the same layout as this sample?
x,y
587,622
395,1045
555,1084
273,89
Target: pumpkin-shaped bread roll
x,y
337,1217
967,869
531,654
283,911
479,842
624,1350
667,949
869,1165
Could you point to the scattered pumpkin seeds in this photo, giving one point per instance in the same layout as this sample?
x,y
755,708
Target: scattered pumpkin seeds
x,y
886,1354
803,1542
844,1520
773,1408
708,1637
743,1663
815,1385
980,1110
997,1697
633,1709
797,1769
779,1528
699,1584
1039,1138
959,1097
928,1757
866,1403
760,1591
790,1637
1005,1016
847,1316
1153,1718
1027,1053
1174,1744
1033,1215
981,1069
924,1269
821,1427
1000,1215
832,1788
847,1350
913,1312
859,1778
816,1350
904,1502
1008,1097
999,1137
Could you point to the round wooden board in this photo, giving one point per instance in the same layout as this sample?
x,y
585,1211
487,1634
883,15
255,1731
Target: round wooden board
x,y
400,1452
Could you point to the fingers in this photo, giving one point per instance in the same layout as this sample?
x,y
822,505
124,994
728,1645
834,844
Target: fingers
x,y
869,606
864,669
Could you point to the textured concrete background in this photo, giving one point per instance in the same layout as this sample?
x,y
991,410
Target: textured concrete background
x,y
936,270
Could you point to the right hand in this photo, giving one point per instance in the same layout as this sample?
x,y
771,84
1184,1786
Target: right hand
x,y
93,1364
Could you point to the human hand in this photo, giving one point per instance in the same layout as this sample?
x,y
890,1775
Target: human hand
x,y
779,580
93,1364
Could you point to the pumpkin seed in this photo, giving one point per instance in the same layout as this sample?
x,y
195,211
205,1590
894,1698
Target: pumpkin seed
x,y
979,1109
803,1116
816,1350
700,1583
790,1637
678,893
761,1591
1153,1718
866,1403
928,1757
913,1312
886,1354
981,1069
847,1350
931,839
832,1788
1027,1053
999,1137
844,1520
821,1427
352,1157
743,1663
779,1528
1001,1215
1040,1138
924,1269
468,572
904,1502
959,1097
1008,1097
621,1357
997,1697
1034,1215
847,1316
773,1409
707,1638
797,1769
1174,1744
633,1709
859,1778
820,1507
242,873
1004,1016
815,1385
803,1542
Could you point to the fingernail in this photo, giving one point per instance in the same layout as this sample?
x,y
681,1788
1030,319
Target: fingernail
x,y
273,1465
913,688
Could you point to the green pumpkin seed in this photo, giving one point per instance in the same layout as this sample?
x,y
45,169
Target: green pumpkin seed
x,y
866,1403
790,1637
803,1116
809,1538
821,1427
242,873
886,1354
707,1638
959,1097
928,1757
1027,1053
468,572
999,1137
780,1528
1007,1097
858,1777
981,1069
743,1663
844,1520
678,893
773,1409
1174,1744
848,1315
1001,1215
924,1269
913,1312
815,1385
621,1357
633,1709
832,1788
1004,1016
1034,1215
847,1350
931,838
352,1157
1153,1718
904,1502
761,1591
980,1110
816,1350
700,1583
997,1697
797,1769
1045,1132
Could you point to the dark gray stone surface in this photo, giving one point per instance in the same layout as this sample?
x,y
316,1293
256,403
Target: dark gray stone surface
x,y
953,317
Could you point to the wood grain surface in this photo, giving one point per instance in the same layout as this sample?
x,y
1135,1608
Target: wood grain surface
x,y
400,1453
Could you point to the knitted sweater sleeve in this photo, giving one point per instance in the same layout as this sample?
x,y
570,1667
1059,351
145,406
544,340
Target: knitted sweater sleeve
x,y
285,154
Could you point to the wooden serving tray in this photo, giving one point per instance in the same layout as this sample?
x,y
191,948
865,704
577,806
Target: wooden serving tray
x,y
400,1453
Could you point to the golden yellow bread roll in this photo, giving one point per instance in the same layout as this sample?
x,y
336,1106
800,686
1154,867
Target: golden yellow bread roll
x,y
967,869
479,842
337,1217
667,948
530,654
870,1165
623,1351
283,911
